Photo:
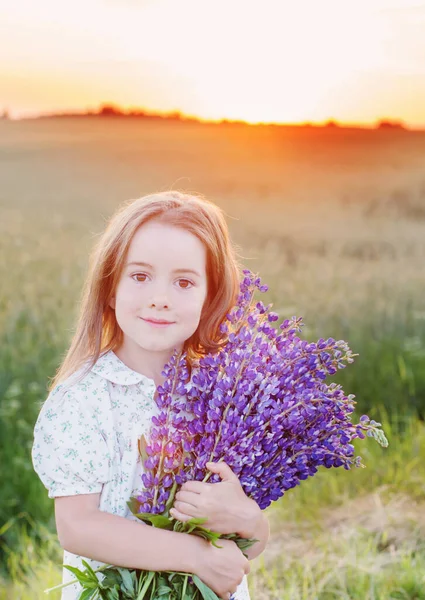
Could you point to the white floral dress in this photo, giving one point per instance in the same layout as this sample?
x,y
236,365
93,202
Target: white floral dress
x,y
86,441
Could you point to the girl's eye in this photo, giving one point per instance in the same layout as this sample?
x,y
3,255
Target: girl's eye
x,y
138,276
185,281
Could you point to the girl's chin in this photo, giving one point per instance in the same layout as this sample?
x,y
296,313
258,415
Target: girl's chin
x,y
158,345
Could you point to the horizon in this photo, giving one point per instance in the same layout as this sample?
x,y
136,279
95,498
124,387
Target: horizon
x,y
104,110
280,64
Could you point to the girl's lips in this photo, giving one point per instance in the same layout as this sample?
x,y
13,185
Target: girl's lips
x,y
156,324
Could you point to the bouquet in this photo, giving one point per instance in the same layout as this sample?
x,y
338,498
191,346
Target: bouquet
x,y
260,404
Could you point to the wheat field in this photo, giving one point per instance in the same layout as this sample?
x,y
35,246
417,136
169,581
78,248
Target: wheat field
x,y
334,222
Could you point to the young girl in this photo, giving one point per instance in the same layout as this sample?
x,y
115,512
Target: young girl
x,y
162,277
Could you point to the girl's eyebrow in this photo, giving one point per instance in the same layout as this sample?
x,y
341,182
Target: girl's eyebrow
x,y
143,264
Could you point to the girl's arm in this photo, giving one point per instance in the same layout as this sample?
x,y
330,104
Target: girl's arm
x,y
86,531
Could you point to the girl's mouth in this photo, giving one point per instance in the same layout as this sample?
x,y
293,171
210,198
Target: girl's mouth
x,y
158,323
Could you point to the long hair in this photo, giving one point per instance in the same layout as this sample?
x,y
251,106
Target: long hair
x,y
97,330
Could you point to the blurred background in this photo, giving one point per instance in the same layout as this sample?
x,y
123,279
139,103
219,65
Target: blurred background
x,y
305,122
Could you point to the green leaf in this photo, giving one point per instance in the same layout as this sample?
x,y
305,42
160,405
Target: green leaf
x,y
194,526
85,580
206,592
87,594
191,592
88,567
159,521
75,571
112,578
161,589
197,521
113,594
164,590
134,505
209,536
141,443
162,579
244,544
127,584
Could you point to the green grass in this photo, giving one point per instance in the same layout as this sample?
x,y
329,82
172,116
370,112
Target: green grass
x,y
355,535
34,564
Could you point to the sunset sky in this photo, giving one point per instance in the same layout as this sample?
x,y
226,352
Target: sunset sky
x,y
272,61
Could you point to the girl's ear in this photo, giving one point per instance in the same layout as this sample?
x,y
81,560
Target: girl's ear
x,y
112,303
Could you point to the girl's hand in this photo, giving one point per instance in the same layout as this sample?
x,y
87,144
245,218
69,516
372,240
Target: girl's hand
x,y
225,505
222,569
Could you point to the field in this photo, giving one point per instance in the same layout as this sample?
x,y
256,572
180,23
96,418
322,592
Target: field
x,y
334,222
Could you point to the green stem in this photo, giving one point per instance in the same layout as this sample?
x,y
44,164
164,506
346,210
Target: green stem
x,y
170,500
184,586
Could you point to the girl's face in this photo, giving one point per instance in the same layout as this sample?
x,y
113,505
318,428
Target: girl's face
x,y
164,278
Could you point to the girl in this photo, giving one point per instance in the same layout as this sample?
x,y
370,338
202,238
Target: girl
x,y
162,277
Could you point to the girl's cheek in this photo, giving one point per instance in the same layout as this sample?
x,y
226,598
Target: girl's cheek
x,y
129,293
191,302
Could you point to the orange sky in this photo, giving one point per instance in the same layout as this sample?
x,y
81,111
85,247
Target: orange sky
x,y
275,60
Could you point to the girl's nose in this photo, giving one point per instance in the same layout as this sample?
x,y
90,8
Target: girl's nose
x,y
159,302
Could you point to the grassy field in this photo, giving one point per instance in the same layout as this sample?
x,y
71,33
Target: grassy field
x,y
334,221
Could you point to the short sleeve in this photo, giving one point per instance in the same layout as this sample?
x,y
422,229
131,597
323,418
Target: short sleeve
x,y
69,453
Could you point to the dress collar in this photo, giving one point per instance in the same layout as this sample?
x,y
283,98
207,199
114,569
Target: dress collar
x,y
113,369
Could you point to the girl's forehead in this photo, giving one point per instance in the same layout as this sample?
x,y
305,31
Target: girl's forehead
x,y
155,235
161,242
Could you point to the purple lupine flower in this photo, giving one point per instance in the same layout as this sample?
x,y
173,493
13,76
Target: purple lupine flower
x,y
260,403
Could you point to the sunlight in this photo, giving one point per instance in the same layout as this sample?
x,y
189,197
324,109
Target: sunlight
x,y
283,61
288,67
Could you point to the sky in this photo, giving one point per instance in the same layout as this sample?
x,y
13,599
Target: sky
x,y
284,61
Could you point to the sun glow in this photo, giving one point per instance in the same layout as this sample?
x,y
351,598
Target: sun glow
x,y
283,61
292,64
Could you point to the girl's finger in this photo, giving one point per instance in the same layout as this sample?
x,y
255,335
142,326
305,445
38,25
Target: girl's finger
x,y
195,486
188,497
186,509
179,516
